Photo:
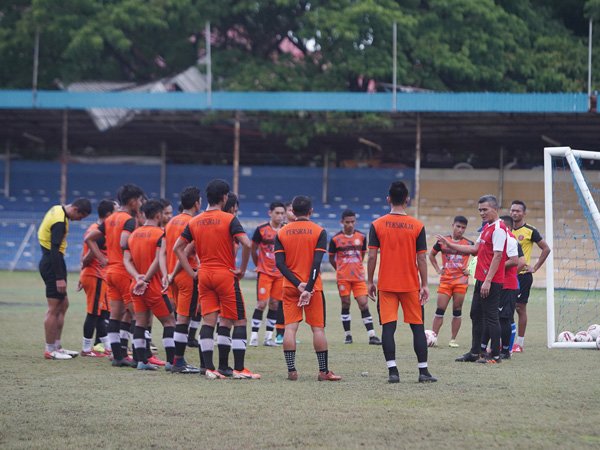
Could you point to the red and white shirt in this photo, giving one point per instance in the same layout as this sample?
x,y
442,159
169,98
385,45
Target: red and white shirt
x,y
513,248
492,239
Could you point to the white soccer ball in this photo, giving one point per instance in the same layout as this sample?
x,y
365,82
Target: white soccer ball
x,y
594,331
566,336
431,338
598,342
583,336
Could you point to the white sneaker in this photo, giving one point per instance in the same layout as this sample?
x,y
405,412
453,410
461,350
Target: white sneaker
x,y
56,354
253,341
71,353
269,343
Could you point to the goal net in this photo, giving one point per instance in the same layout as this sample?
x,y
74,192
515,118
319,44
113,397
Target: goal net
x,y
572,190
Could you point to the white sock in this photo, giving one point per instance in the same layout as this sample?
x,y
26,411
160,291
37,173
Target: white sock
x,y
50,348
520,340
254,335
57,344
391,363
87,345
106,342
371,333
268,335
348,333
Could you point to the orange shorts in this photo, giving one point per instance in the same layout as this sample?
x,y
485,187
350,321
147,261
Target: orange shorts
x,y
388,303
119,287
154,301
220,291
268,287
357,288
186,299
452,287
95,293
314,311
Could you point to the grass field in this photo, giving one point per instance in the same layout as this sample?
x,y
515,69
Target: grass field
x,y
541,398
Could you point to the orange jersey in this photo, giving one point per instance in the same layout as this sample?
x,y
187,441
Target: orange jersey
x,y
399,239
94,268
213,233
172,232
142,244
264,237
112,228
349,252
299,240
453,263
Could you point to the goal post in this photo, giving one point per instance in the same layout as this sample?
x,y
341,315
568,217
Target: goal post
x,y
572,228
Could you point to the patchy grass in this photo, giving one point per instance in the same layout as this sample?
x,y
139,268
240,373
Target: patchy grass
x,y
541,398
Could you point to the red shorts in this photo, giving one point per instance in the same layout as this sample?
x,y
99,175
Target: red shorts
x,y
95,293
451,288
388,303
268,287
357,288
154,301
119,287
314,311
219,291
186,298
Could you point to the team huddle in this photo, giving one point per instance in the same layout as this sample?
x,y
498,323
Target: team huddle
x,y
140,262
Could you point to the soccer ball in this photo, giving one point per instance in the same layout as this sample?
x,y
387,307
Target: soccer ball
x,y
431,338
594,331
566,336
583,336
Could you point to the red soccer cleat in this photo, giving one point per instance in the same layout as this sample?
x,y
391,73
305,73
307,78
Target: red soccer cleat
x,y
517,349
245,375
328,376
156,361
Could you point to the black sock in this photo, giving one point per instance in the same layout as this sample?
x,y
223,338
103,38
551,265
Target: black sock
x,y
280,320
420,347
89,325
322,359
387,341
207,340
346,319
505,332
115,342
271,319
238,344
256,320
139,345
224,346
367,319
181,339
290,359
169,343
124,333
100,328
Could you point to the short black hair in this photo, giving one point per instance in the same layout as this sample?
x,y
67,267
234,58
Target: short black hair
x,y
398,193
232,200
128,192
180,208
274,205
287,204
461,219
301,205
508,221
189,196
82,205
164,202
489,198
519,202
348,213
152,208
215,190
105,208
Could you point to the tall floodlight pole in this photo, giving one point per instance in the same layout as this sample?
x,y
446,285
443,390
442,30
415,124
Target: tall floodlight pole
x,y
208,65
395,65
590,63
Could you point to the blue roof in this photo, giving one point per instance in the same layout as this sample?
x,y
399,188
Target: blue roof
x,y
486,102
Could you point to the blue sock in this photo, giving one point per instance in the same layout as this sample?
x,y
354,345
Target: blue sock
x,y
513,334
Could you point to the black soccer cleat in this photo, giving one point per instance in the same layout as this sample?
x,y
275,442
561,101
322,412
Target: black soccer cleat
x,y
374,340
505,355
427,378
348,339
394,378
467,357
226,372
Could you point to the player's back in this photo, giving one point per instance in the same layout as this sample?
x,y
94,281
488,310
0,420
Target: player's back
x,y
94,268
399,238
213,234
142,244
299,240
112,227
349,253
173,231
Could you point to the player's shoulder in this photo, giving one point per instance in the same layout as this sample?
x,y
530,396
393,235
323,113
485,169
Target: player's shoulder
x,y
337,235
359,234
468,241
262,226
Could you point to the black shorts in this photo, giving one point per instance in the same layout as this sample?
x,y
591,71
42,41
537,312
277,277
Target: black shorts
x,y
508,303
49,276
525,282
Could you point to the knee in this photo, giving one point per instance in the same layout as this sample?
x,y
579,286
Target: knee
x,y
345,302
439,313
457,313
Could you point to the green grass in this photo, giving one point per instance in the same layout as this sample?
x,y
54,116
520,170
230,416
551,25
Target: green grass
x,y
542,398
